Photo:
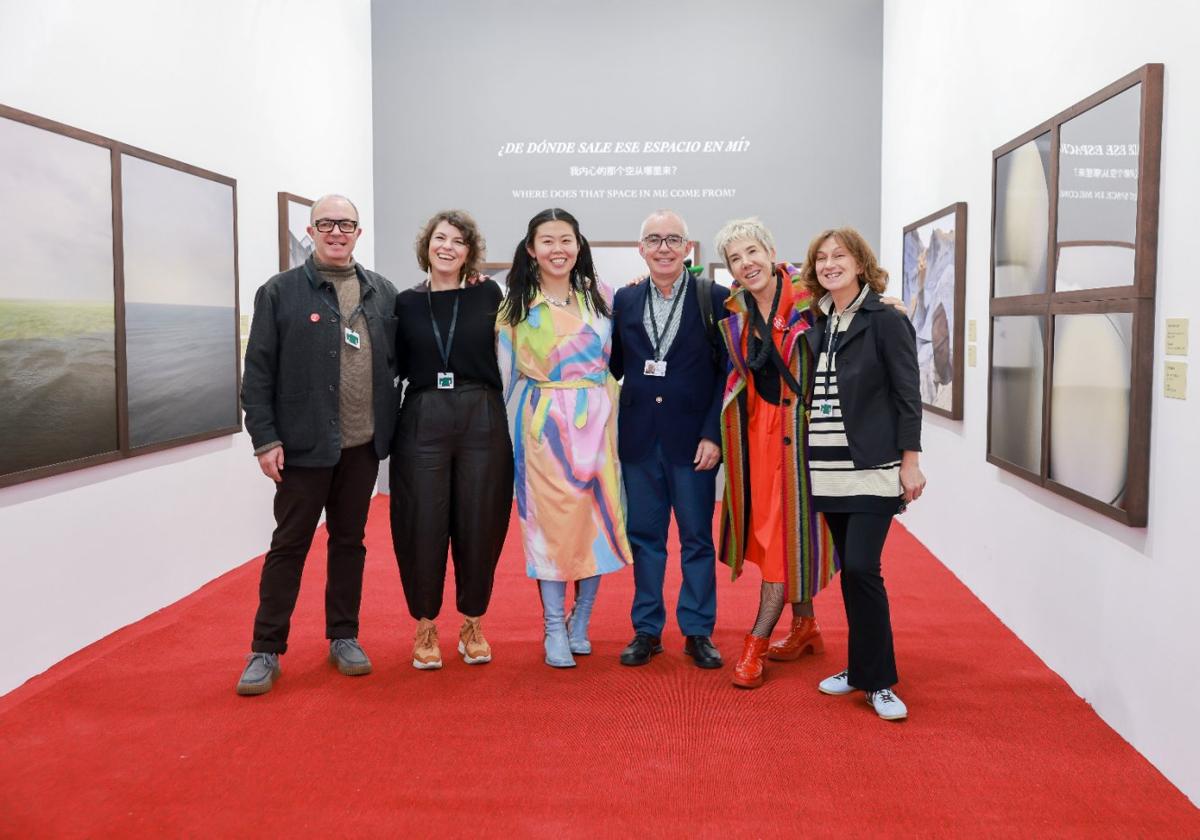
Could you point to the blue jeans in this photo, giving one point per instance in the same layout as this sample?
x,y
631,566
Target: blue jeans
x,y
653,488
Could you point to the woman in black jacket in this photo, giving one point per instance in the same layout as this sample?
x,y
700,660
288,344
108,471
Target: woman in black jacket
x,y
864,445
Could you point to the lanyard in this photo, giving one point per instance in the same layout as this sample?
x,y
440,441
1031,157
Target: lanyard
x,y
443,348
670,316
762,329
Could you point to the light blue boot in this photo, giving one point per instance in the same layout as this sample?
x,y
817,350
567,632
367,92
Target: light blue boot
x,y
554,599
581,613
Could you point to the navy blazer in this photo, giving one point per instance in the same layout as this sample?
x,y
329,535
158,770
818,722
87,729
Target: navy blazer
x,y
678,410
878,382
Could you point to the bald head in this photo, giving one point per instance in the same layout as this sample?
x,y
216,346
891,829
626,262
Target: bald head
x,y
334,246
663,245
322,206
664,216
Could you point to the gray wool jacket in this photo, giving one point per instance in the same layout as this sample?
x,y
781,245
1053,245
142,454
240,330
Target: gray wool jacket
x,y
293,364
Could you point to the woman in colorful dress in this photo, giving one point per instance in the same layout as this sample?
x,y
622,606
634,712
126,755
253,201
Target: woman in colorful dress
x,y
863,445
553,344
763,437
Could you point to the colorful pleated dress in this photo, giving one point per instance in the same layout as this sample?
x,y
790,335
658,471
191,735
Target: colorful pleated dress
x,y
563,412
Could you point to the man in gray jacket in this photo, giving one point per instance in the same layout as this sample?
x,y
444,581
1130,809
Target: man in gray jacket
x,y
320,397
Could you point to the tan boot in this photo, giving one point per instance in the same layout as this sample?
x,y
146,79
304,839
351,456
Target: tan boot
x,y
803,637
426,654
474,648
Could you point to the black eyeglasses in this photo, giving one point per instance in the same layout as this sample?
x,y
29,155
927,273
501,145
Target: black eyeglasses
x,y
344,225
674,241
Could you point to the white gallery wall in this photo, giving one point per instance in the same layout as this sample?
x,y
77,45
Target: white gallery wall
x,y
274,93
1110,608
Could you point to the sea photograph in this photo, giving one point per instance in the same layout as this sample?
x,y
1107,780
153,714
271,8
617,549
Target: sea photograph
x,y
180,322
58,378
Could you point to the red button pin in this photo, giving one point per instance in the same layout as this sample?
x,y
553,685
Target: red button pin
x,y
314,317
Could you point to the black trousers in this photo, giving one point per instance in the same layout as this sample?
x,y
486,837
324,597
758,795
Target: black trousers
x,y
452,489
858,538
343,491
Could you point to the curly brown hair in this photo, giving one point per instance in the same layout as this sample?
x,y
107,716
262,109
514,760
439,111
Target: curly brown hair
x,y
852,241
461,219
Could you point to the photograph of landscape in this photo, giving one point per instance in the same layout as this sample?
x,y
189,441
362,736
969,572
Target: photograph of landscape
x,y
57,328
180,292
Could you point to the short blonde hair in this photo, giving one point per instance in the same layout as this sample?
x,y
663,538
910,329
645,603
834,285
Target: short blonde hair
x,y
852,241
751,228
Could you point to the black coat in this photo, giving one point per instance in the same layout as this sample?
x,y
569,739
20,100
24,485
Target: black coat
x,y
878,382
678,410
293,364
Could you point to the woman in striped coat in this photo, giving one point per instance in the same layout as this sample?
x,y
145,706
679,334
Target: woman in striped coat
x,y
764,432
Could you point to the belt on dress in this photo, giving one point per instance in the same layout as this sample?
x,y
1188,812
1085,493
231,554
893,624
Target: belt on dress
x,y
590,380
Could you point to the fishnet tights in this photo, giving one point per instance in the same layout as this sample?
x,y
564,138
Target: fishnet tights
x,y
771,598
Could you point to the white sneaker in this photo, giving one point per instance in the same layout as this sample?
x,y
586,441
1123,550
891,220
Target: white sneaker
x,y
837,685
887,705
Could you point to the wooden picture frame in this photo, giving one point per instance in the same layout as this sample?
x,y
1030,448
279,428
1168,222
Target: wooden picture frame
x,y
1027,291
289,243
122,156
720,274
636,265
928,255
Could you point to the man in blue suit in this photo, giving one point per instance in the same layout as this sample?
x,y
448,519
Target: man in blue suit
x,y
669,436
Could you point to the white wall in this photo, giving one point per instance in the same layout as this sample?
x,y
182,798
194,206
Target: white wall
x,y
1110,608
274,93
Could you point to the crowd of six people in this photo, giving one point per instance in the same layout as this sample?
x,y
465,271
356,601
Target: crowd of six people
x,y
602,412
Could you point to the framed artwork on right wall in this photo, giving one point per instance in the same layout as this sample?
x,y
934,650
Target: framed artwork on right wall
x,y
935,293
1074,263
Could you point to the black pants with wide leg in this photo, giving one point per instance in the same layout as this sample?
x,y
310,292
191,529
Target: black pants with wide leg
x,y
343,491
859,538
452,490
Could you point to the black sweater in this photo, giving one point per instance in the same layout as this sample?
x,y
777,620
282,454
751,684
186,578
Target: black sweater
x,y
473,353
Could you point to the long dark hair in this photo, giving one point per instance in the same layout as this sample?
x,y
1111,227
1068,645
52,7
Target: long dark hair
x,y
523,276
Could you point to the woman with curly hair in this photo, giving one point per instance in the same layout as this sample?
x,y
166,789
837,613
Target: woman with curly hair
x,y
554,338
864,444
451,467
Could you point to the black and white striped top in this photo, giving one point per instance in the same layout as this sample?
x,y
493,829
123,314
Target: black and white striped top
x,y
837,485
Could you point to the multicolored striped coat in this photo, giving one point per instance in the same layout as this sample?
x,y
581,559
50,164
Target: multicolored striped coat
x,y
811,561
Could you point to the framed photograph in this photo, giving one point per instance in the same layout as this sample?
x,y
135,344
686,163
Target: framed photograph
x,y
59,342
181,334
720,274
619,262
1074,261
294,242
498,271
934,291
126,343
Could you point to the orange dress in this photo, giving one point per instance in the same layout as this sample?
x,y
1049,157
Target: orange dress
x,y
765,546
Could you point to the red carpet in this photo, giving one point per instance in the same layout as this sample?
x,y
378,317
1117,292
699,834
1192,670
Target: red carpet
x,y
141,735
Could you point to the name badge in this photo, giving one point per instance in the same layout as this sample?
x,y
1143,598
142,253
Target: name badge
x,y
353,338
445,380
654,368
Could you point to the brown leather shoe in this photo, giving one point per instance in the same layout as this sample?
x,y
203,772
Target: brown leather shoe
x,y
748,672
803,637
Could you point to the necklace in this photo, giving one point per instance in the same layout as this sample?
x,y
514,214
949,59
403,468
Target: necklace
x,y
555,301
